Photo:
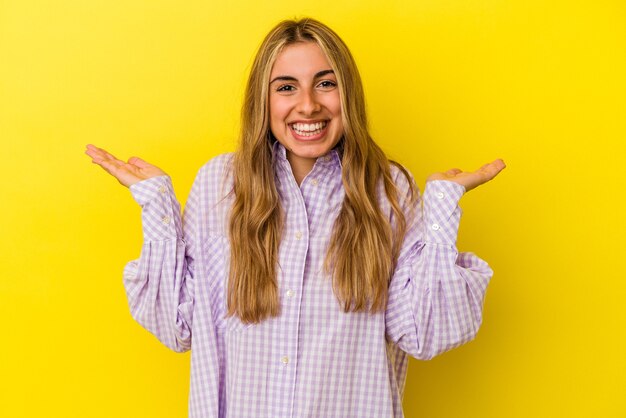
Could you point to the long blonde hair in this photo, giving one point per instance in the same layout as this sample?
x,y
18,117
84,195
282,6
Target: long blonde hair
x,y
364,246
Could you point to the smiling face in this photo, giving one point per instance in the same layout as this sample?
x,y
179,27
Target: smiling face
x,y
305,106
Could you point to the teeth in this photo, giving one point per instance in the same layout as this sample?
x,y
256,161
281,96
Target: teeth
x,y
308,129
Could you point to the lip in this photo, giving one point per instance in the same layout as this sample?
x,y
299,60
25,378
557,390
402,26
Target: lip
x,y
309,137
308,121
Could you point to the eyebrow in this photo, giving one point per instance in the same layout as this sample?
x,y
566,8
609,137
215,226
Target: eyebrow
x,y
291,78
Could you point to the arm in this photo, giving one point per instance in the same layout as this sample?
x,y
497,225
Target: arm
x,y
436,294
160,284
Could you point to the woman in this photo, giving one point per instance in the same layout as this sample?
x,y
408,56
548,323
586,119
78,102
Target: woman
x,y
306,267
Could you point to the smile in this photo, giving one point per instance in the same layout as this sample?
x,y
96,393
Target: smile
x,y
308,129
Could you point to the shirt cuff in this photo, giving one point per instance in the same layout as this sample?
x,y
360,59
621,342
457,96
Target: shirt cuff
x,y
147,190
160,213
442,213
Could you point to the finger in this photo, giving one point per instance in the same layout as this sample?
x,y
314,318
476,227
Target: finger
x,y
497,163
100,156
93,151
105,160
111,166
96,157
489,171
136,161
109,155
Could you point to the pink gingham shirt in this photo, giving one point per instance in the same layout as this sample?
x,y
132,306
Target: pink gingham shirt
x,y
313,360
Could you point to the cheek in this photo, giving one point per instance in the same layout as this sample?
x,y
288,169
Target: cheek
x,y
278,110
335,105
278,114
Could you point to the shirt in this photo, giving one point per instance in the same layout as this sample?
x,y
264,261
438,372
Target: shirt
x,y
313,360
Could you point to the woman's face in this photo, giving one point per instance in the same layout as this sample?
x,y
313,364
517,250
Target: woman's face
x,y
305,107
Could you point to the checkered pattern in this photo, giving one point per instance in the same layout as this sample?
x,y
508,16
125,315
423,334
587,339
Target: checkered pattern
x,y
313,360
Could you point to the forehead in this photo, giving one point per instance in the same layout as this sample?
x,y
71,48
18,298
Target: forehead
x,y
301,58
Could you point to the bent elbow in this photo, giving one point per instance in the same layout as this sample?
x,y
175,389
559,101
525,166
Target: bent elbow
x,y
182,343
180,346
444,342
177,340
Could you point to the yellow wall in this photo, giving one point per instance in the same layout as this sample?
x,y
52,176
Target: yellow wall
x,y
449,83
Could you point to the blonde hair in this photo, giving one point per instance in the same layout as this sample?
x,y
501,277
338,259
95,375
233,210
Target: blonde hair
x,y
364,246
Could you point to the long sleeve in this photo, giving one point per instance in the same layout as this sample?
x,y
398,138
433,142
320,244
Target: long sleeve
x,y
160,284
436,294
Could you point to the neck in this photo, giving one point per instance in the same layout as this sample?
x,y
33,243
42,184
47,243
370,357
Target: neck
x,y
300,166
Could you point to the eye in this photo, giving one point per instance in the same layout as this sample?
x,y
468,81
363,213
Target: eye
x,y
327,84
285,88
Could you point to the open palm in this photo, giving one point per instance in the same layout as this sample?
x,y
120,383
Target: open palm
x,y
127,173
471,179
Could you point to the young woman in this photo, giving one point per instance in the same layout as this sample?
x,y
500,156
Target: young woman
x,y
306,266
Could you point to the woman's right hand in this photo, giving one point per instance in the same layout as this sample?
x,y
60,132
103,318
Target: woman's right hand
x,y
129,173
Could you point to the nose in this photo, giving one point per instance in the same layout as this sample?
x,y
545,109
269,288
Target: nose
x,y
308,103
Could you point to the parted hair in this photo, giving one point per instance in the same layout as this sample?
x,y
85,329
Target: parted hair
x,y
364,245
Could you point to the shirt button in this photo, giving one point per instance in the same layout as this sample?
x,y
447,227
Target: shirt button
x,y
165,220
162,189
439,195
314,182
290,293
298,235
435,227
284,360
327,158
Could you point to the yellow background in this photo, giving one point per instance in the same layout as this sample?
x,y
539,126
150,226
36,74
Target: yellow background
x,y
449,83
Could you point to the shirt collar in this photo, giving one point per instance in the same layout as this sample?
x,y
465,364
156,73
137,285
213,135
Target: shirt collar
x,y
333,157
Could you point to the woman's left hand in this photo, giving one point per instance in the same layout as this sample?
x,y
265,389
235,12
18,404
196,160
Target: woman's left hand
x,y
472,179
